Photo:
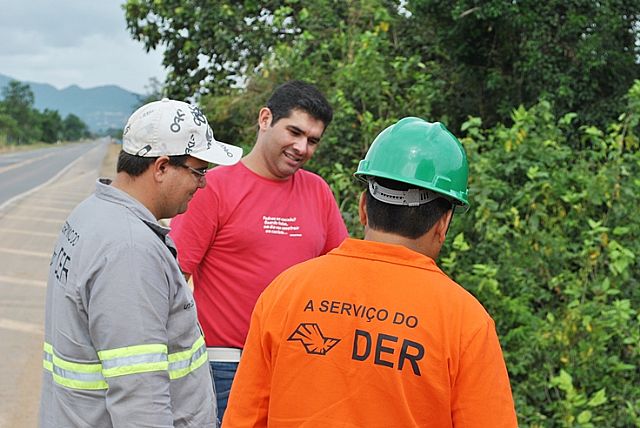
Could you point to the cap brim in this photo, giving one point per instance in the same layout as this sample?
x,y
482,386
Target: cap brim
x,y
220,153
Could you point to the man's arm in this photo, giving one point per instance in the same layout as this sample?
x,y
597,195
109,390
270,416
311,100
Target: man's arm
x,y
127,308
482,393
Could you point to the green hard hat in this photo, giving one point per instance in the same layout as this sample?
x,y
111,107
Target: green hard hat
x,y
420,153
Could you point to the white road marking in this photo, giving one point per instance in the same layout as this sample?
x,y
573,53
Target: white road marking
x,y
32,219
44,207
51,180
23,327
24,162
28,232
22,281
25,252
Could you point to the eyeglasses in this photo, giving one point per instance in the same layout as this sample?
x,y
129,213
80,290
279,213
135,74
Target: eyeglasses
x,y
198,172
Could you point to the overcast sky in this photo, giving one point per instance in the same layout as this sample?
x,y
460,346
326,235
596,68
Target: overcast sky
x,y
66,42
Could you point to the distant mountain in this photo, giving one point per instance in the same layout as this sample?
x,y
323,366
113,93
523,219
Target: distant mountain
x,y
101,108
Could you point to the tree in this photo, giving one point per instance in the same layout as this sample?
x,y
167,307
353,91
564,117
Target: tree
x,y
154,92
18,105
580,55
74,128
490,57
8,125
233,36
51,126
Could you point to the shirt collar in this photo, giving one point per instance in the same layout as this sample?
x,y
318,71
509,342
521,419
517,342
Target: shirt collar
x,y
391,253
105,191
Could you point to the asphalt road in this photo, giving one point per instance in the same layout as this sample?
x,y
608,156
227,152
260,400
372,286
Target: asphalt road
x,y
37,191
25,170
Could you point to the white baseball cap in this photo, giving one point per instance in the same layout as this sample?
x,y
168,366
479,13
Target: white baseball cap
x,y
174,128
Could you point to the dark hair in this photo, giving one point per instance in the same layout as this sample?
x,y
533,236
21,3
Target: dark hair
x,y
299,95
406,221
136,165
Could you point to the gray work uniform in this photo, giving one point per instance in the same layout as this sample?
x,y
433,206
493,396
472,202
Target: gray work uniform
x,y
122,343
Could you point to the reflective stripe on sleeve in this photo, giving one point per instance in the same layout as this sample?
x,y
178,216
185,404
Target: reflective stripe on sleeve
x,y
133,359
183,363
73,375
123,361
47,360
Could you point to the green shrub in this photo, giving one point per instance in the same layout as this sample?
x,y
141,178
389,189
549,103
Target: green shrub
x,y
550,248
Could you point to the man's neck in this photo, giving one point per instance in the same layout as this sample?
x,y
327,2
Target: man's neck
x,y
256,164
252,162
423,245
136,188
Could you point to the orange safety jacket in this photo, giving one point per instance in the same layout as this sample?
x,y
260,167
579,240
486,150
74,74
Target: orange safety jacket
x,y
370,335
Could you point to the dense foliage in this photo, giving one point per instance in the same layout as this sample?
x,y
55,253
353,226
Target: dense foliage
x,y
579,54
483,58
21,123
550,248
534,89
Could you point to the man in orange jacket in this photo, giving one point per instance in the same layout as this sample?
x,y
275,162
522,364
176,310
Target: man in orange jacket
x,y
374,334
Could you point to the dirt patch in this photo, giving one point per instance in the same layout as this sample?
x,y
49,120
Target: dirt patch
x,y
108,168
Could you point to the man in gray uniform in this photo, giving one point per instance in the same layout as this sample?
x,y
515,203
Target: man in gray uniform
x,y
122,343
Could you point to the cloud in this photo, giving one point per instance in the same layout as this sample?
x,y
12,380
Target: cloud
x,y
65,42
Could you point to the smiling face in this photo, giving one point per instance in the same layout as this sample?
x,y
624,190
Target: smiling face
x,y
285,146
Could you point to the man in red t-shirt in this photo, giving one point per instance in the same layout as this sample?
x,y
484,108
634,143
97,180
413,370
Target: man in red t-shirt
x,y
255,219
374,334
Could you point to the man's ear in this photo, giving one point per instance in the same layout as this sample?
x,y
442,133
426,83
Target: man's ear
x,y
264,118
160,168
442,226
362,209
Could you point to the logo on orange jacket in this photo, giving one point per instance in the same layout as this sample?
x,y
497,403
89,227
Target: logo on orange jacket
x,y
310,335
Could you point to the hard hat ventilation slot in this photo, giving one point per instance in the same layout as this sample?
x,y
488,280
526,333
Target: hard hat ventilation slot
x,y
410,197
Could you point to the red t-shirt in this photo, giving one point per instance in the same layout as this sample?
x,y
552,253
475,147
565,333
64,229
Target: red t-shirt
x,y
370,335
240,232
